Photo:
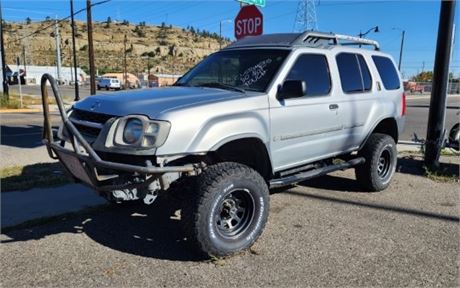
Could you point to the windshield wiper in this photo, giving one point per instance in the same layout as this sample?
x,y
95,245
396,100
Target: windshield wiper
x,y
221,85
181,84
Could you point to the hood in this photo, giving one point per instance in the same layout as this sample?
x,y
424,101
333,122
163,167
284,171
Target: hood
x,y
152,102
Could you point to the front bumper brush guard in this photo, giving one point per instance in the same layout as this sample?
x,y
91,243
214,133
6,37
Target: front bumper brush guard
x,y
82,160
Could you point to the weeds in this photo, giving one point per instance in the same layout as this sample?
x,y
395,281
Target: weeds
x,y
32,176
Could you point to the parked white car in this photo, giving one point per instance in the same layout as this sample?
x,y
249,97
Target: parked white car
x,y
109,83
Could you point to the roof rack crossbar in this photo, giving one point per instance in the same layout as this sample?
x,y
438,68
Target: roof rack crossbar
x,y
309,37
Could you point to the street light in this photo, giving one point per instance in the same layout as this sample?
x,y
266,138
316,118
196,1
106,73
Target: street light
x,y
373,29
220,31
403,33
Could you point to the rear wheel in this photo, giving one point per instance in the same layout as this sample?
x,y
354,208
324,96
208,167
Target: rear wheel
x,y
229,211
381,156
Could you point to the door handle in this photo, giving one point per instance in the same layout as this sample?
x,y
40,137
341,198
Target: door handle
x,y
333,106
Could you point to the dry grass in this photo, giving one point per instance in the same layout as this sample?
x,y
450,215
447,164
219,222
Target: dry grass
x,y
32,176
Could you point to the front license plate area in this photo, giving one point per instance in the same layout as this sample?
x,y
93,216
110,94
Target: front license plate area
x,y
75,167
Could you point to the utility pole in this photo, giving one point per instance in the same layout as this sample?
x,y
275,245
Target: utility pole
x,y
2,48
24,59
70,63
18,62
436,116
125,72
57,38
77,96
92,69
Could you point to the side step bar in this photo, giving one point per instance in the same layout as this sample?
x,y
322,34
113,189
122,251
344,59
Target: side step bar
x,y
288,180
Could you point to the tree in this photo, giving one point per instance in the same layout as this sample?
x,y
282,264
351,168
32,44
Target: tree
x,y
125,22
47,18
108,22
425,76
28,20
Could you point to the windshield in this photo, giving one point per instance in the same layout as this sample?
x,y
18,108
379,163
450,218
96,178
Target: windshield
x,y
251,69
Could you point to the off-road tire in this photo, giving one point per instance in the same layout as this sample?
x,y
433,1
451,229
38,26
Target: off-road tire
x,y
210,208
381,157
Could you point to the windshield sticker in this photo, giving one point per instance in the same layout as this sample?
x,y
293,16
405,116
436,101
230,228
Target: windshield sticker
x,y
254,73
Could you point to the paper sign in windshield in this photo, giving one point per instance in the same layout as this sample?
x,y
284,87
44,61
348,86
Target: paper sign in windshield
x,y
254,73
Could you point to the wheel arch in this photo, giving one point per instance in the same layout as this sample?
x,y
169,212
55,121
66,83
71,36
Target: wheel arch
x,y
250,151
388,126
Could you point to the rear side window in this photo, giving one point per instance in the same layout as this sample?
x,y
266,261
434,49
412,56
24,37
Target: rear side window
x,y
314,70
354,73
387,72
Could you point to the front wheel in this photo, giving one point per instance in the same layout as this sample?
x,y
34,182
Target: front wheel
x,y
229,209
381,156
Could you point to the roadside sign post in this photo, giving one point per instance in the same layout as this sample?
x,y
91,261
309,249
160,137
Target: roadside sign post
x,y
260,3
248,22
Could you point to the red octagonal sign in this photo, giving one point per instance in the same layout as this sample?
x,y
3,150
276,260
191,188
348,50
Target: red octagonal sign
x,y
248,22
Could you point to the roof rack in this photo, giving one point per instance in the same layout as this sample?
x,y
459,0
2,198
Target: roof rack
x,y
315,39
306,39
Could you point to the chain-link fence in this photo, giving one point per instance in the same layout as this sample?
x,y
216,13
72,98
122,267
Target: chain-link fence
x,y
417,88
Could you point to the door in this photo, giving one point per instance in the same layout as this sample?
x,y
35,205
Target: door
x,y
303,129
356,99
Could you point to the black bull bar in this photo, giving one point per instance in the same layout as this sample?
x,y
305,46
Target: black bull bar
x,y
81,163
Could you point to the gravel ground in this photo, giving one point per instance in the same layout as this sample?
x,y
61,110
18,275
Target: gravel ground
x,y
322,233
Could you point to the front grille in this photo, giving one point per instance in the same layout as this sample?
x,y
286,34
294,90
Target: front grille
x,y
90,116
89,124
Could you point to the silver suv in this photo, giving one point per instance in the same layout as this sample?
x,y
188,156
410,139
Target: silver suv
x,y
265,112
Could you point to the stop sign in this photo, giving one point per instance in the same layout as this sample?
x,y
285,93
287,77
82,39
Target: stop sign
x,y
248,22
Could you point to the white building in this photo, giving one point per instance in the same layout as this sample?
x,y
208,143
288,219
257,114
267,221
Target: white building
x,y
34,73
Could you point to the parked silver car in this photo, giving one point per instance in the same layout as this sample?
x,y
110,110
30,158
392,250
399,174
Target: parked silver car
x,y
265,112
108,83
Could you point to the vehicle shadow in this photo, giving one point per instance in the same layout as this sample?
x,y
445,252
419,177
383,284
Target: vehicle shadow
x,y
333,183
29,136
415,166
148,231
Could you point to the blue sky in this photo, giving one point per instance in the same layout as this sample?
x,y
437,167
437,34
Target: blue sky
x,y
418,18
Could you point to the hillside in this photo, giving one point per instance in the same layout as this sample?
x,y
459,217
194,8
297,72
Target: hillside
x,y
168,49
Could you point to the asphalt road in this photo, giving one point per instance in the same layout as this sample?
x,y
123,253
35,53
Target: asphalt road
x,y
324,233
20,142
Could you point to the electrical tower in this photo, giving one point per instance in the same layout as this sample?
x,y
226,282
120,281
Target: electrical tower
x,y
306,16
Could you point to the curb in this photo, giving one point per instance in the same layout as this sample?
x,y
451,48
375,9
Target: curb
x,y
24,110
22,206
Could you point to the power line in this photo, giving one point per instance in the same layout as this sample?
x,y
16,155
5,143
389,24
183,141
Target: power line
x,y
59,21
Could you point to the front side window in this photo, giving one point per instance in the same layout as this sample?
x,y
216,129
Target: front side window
x,y
387,72
354,73
248,69
314,70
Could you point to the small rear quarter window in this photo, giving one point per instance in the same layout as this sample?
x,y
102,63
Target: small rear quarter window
x,y
387,72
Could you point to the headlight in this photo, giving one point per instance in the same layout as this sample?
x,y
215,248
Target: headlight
x,y
138,131
133,131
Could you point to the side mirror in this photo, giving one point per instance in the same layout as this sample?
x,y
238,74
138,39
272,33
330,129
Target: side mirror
x,y
292,89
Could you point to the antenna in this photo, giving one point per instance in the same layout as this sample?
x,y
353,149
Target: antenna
x,y
306,16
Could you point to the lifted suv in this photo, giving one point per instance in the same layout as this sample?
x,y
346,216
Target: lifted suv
x,y
264,112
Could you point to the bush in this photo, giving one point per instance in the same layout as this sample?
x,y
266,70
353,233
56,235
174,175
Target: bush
x,y
9,104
